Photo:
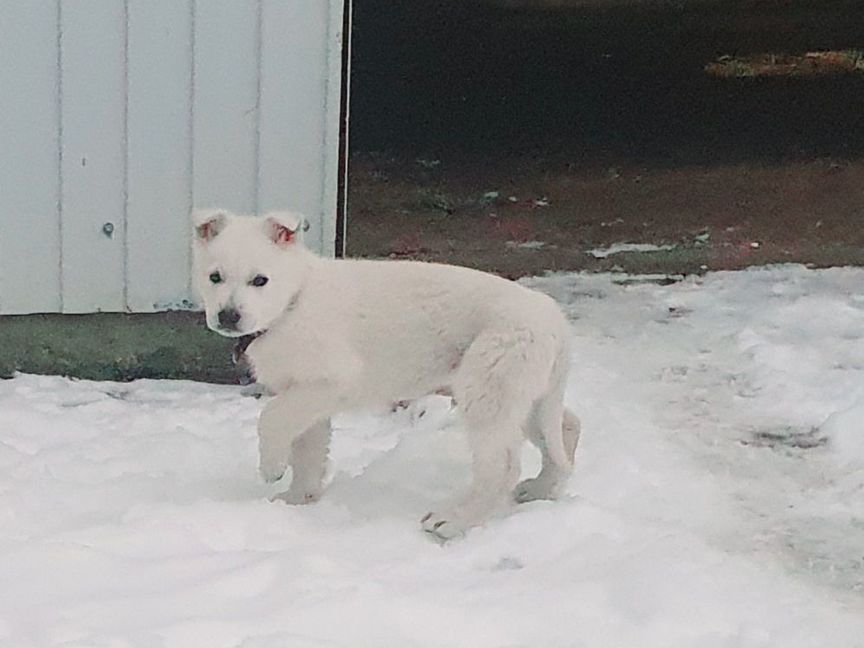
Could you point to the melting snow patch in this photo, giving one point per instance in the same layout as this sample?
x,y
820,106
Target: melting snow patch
x,y
618,248
526,245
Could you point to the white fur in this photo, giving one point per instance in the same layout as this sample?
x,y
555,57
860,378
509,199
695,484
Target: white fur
x,y
347,334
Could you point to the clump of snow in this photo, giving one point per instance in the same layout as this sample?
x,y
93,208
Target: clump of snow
x,y
706,510
526,245
845,433
618,248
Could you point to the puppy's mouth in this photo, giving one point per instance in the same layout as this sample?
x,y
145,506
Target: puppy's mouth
x,y
228,330
230,333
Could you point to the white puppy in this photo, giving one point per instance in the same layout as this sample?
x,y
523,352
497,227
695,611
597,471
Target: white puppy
x,y
335,335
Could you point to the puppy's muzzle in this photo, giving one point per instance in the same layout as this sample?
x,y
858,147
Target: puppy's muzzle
x,y
228,319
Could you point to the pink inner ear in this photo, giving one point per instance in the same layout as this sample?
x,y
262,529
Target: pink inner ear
x,y
205,230
282,234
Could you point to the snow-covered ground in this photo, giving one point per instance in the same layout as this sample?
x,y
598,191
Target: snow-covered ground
x,y
718,499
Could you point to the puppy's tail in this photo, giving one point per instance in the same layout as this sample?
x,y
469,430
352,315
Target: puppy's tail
x,y
560,441
563,449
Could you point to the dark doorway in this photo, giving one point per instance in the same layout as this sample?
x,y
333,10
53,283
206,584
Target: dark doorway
x,y
480,126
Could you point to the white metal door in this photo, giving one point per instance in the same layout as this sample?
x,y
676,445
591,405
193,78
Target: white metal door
x,y
118,116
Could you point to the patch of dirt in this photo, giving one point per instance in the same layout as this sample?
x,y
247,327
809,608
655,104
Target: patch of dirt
x,y
526,215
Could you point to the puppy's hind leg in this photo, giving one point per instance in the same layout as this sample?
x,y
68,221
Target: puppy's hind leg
x,y
494,399
555,431
550,483
496,470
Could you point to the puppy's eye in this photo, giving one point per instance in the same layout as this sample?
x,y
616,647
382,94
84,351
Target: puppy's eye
x,y
215,277
258,281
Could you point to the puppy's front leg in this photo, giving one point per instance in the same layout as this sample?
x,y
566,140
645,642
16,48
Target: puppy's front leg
x,y
308,464
294,428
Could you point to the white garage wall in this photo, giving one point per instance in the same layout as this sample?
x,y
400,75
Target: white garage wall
x,y
118,116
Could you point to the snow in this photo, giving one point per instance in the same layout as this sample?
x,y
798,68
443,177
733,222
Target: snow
x,y
845,430
618,248
526,245
718,499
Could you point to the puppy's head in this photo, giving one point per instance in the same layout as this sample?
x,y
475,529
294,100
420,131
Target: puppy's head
x,y
246,269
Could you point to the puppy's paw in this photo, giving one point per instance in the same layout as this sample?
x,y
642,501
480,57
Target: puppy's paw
x,y
533,489
297,497
271,470
444,526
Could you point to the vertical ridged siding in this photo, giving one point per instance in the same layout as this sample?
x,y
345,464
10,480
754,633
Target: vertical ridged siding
x,y
120,115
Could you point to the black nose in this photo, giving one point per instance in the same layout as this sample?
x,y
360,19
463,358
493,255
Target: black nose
x,y
228,318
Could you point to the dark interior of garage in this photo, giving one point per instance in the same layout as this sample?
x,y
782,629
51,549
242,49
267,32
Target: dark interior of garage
x,y
458,98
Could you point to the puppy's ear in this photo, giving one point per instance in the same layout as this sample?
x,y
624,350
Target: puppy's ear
x,y
283,227
208,223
